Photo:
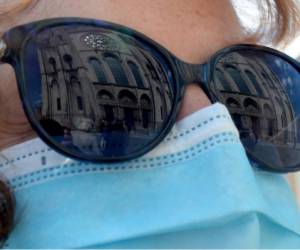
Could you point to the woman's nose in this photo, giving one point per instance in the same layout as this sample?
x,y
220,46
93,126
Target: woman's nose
x,y
194,99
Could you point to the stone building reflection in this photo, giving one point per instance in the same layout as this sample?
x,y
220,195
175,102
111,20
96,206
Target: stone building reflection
x,y
99,81
257,101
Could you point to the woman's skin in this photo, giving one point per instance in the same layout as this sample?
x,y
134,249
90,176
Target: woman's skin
x,y
193,30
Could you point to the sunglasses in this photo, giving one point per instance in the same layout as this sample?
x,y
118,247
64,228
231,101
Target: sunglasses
x,y
98,91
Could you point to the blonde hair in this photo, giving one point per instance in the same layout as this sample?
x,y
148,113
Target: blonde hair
x,y
9,10
279,21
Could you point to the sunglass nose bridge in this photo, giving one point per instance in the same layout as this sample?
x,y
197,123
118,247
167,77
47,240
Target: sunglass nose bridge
x,y
190,73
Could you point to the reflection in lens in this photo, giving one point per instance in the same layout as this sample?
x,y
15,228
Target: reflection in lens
x,y
98,92
262,93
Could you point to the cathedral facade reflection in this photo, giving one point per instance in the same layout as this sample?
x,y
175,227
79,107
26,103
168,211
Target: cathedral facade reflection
x,y
105,80
257,101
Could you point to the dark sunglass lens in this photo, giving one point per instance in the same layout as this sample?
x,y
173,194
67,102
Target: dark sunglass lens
x,y
96,92
262,93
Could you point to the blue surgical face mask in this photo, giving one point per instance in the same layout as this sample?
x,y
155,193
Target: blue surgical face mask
x,y
196,189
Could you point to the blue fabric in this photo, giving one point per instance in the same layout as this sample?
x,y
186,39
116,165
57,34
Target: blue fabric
x,y
206,196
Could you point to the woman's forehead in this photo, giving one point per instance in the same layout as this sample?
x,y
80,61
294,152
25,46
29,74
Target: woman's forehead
x,y
193,31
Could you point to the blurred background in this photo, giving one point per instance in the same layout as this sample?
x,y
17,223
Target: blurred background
x,y
293,48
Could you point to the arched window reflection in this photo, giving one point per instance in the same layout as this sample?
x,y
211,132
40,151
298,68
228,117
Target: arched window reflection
x,y
109,113
146,110
60,38
53,63
231,102
74,80
58,104
128,102
251,106
253,80
69,60
279,102
116,69
283,120
159,103
79,103
267,110
127,98
267,79
76,92
105,96
152,71
223,81
98,69
268,113
55,100
238,79
136,73
106,100
53,82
